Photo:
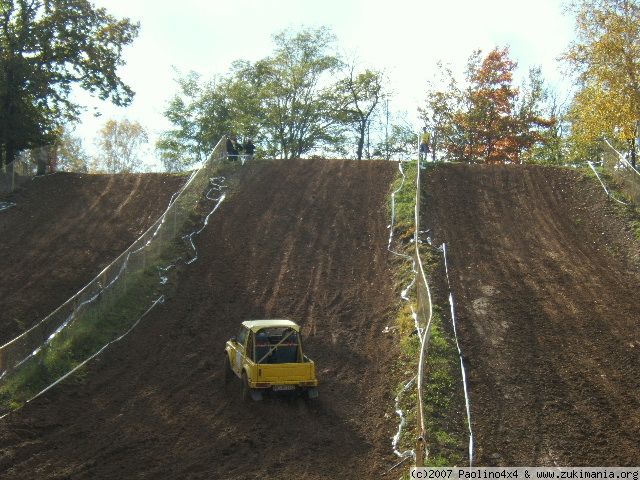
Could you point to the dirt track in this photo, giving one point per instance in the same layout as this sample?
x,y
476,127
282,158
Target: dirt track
x,y
546,282
63,231
304,240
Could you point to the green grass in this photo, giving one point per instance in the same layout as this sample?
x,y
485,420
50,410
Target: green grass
x,y
445,416
443,389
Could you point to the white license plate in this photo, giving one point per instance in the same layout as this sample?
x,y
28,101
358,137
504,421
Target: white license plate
x,y
280,388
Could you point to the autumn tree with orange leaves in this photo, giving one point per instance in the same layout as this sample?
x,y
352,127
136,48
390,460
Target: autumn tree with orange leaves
x,y
491,120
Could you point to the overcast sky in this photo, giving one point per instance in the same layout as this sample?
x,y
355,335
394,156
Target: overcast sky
x,y
404,37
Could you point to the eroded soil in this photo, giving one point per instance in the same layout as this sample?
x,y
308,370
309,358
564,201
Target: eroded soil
x,y
64,229
545,275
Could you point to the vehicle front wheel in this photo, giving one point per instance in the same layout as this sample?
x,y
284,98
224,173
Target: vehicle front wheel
x,y
312,393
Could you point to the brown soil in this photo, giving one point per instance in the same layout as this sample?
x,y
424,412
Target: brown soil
x,y
63,231
545,276
304,240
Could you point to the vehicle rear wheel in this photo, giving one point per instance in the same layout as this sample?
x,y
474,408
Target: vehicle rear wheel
x,y
228,373
312,393
249,393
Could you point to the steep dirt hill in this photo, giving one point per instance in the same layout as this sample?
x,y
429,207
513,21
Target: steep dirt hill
x,y
304,240
546,281
64,229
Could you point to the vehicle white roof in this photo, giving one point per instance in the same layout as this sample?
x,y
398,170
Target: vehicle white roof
x,y
255,325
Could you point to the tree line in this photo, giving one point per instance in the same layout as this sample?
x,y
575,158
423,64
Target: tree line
x,y
489,119
302,99
306,99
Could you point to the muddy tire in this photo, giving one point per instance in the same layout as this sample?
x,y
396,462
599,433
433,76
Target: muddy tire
x,y
249,393
246,395
311,393
228,373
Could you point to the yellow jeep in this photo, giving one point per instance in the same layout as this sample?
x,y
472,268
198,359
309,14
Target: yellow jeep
x,y
267,355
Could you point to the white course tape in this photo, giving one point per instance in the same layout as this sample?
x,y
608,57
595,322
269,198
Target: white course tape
x,y
623,159
604,186
403,420
87,360
462,369
6,206
219,200
122,268
426,333
393,214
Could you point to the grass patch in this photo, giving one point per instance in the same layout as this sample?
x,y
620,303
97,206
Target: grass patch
x,y
444,408
445,420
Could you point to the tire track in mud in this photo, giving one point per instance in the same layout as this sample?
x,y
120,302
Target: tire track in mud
x,y
304,240
547,313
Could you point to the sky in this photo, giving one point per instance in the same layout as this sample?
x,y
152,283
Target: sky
x,y
406,38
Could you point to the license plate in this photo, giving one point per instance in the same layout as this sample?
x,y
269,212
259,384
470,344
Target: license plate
x,y
280,388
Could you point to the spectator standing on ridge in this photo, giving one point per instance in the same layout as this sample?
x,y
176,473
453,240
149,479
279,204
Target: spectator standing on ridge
x,y
425,140
232,148
249,149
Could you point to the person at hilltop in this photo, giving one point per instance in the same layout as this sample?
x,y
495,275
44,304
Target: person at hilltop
x,y
232,148
425,140
249,149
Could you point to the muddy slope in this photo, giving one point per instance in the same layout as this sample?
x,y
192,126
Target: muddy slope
x,y
304,240
546,281
64,229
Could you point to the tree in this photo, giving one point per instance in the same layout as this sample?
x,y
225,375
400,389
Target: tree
x,y
606,55
201,115
287,103
362,94
535,123
294,85
72,156
120,144
439,110
489,120
46,48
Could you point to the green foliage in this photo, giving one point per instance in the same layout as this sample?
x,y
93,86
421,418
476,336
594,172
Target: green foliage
x,y
606,55
400,142
362,93
286,103
47,48
302,99
445,418
200,114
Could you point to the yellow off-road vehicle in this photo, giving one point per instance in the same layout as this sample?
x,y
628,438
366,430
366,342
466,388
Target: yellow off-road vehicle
x,y
267,356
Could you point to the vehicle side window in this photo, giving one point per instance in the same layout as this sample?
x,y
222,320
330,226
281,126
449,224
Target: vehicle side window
x,y
242,336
